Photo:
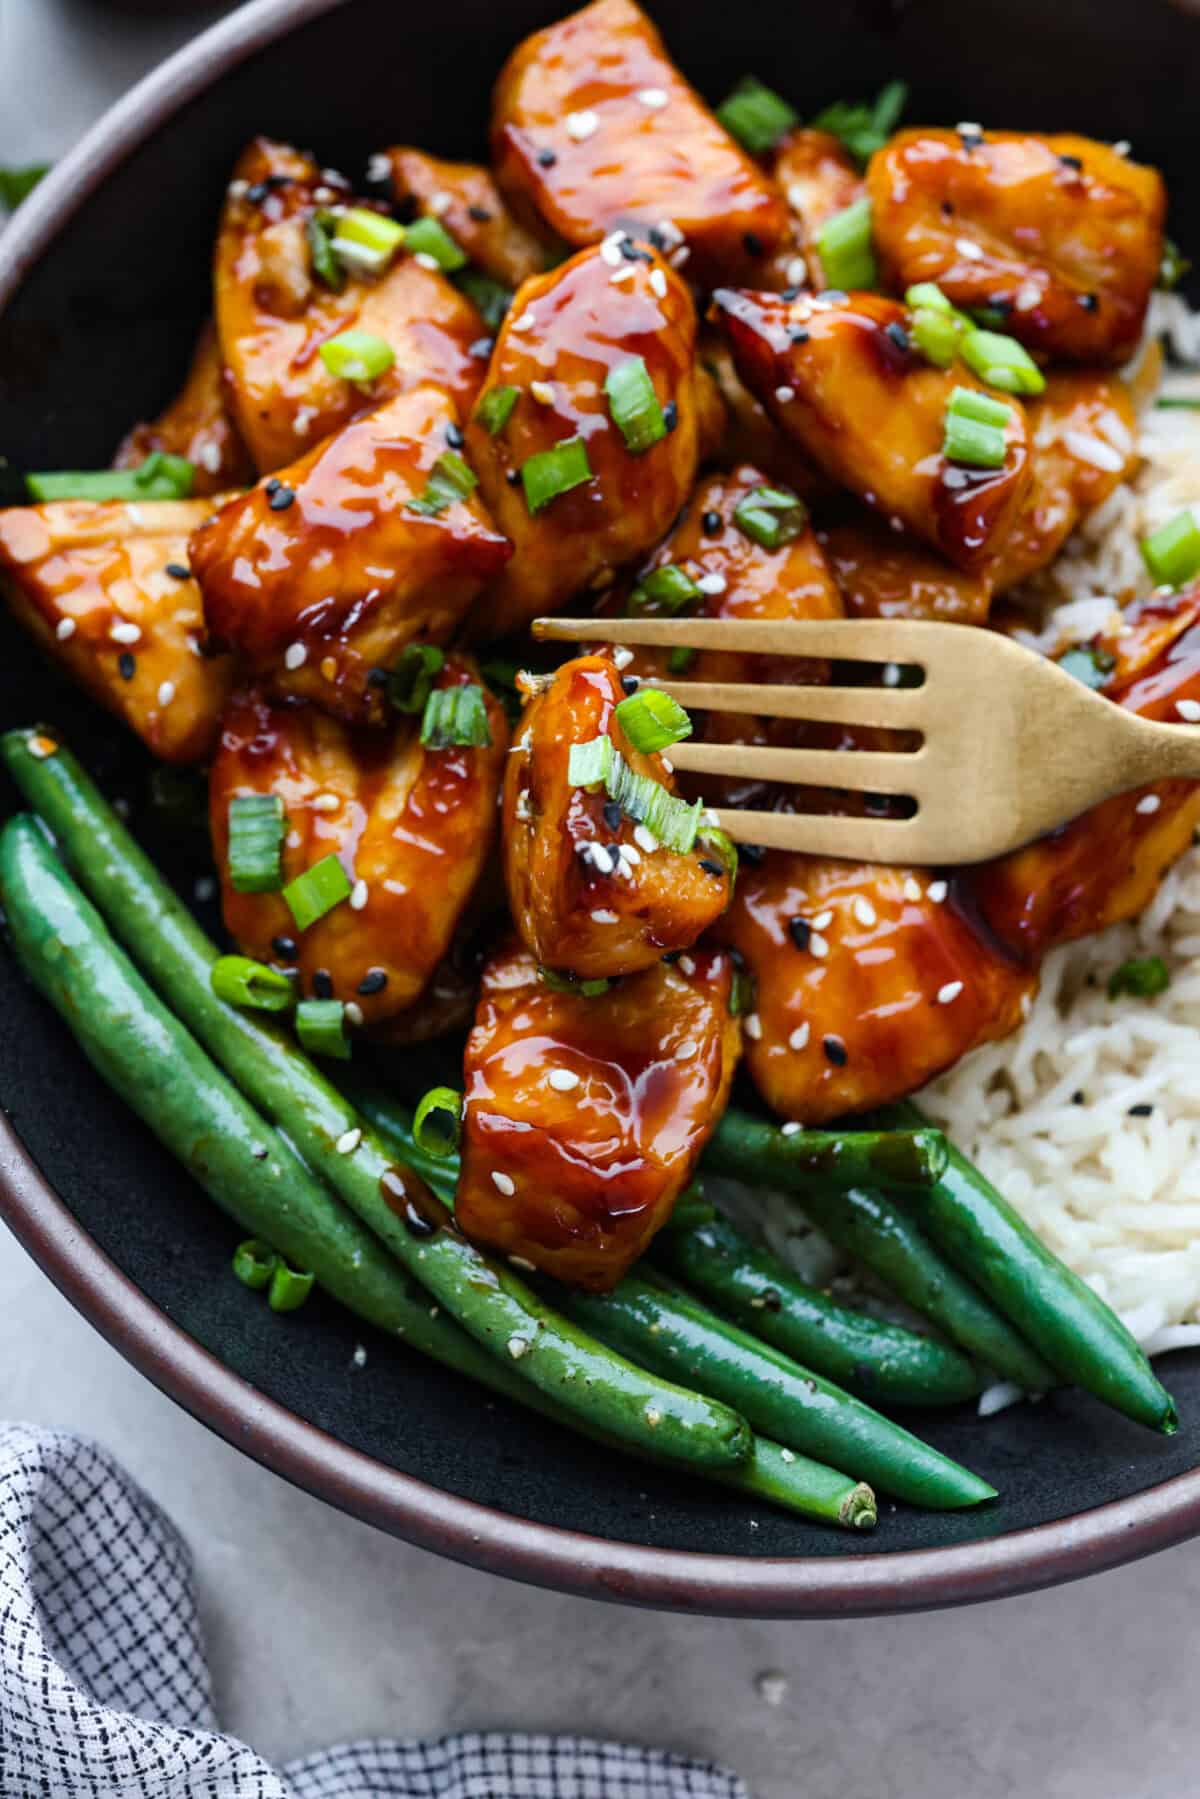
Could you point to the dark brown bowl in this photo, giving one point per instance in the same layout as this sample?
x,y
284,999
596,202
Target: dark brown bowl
x,y
102,284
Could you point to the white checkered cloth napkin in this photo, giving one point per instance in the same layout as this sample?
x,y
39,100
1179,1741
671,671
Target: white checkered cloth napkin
x,y
105,1691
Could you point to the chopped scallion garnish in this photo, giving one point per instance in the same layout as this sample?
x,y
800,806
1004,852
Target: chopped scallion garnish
x,y
1172,553
634,405
571,983
365,240
844,246
411,677
254,1262
936,333
357,356
321,1028
289,1288
17,184
645,800
456,717
243,982
451,478
590,764
864,129
256,830
1143,978
326,265
652,720
1092,667
315,892
437,1122
974,429
553,472
680,660
1173,267
969,403
1002,362
668,589
429,237
719,845
771,516
490,298
495,409
158,477
756,116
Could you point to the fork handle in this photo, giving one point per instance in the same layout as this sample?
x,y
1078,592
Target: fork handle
x,y
1161,752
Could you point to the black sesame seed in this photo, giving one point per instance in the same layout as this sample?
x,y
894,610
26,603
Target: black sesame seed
x,y
670,415
798,334
789,294
285,947
1071,162
1143,1111
126,664
800,932
1079,1098
179,571
546,159
378,677
480,214
1000,303
258,193
771,1299
947,210
835,1051
273,485
711,522
612,815
374,981
752,853
481,348
899,336
1089,302
753,244
630,683
672,955
322,983
454,436
660,243
834,295
281,499
712,868
513,477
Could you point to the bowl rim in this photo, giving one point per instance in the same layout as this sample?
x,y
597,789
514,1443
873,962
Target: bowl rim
x,y
1105,1536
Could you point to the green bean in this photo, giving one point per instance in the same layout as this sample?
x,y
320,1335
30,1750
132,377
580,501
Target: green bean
x,y
497,1308
802,1485
655,1322
879,1361
766,1154
1069,1324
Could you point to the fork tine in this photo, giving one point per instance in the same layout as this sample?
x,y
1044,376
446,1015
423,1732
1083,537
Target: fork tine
x,y
897,707
867,771
852,639
822,834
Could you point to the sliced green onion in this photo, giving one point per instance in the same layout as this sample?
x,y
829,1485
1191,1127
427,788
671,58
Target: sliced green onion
x,y
652,720
357,356
254,1262
971,444
1002,362
490,298
590,764
317,891
680,660
366,240
456,716
756,116
634,405
554,472
667,589
969,403
452,478
720,846
321,1028
928,296
429,237
936,335
495,409
1173,267
864,129
437,1122
1092,667
243,982
17,184
647,802
289,1288
1172,553
771,516
571,983
844,246
159,477
411,677
1142,978
1179,402
326,265
256,831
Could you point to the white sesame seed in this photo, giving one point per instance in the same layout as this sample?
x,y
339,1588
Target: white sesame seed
x,y
969,251
1149,804
968,128
911,888
523,1263
712,584
784,394
517,1347
424,260
125,632
610,249
394,1183
379,167
526,322
205,888
822,921
358,896
669,232
799,1036
66,628
1122,146
655,98
891,674
237,189
440,203
653,1416
791,1128
348,1142
602,915
135,515
542,392
864,911
503,1183
658,283
687,1049
621,275
797,270
1187,709
949,993
621,656
209,457
166,692
325,802
354,1012
1027,296
630,855
667,764
753,1024
580,125
818,946
645,840
563,1080
359,1357
295,656
687,965
937,891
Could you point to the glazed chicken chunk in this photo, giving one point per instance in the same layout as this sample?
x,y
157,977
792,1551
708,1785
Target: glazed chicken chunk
x,y
412,827
593,891
197,425
1062,235
274,311
569,336
322,574
594,128
106,590
881,573
465,199
584,1117
842,377
819,178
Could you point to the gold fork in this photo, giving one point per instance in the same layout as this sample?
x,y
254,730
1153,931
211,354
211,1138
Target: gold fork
x,y
1011,746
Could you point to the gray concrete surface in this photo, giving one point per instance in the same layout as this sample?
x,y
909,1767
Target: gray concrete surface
x,y
321,1629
